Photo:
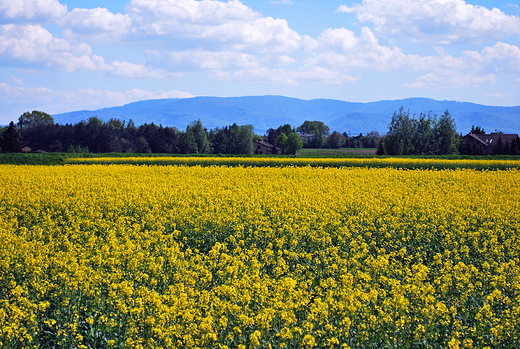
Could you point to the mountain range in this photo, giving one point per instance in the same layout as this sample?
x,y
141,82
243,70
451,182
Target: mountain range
x,y
264,112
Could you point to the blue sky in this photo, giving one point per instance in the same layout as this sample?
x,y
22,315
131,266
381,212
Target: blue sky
x,y
58,56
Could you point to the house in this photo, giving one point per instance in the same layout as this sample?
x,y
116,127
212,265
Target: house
x,y
261,147
489,144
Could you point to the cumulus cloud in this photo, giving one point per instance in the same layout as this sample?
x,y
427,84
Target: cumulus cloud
x,y
342,48
438,22
36,11
279,60
131,70
16,100
449,79
34,46
212,25
285,77
94,25
500,57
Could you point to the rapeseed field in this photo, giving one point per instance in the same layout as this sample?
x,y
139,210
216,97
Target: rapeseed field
x,y
397,162
125,256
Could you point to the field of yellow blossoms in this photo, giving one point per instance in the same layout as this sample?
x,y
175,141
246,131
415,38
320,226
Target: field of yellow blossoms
x,y
102,256
404,163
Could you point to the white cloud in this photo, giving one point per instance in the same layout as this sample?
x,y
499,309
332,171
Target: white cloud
x,y
284,2
16,100
17,80
94,25
320,74
342,49
344,9
450,79
131,70
178,25
36,11
500,57
286,77
202,60
434,21
34,46
278,60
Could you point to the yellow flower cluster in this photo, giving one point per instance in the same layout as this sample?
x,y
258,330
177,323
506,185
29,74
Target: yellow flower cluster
x,y
410,163
271,257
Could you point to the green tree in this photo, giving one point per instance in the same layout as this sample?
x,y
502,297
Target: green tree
x,y
201,136
12,140
398,140
381,147
272,136
287,129
427,135
188,142
335,140
445,135
423,138
95,121
319,132
293,144
245,140
281,142
477,130
35,118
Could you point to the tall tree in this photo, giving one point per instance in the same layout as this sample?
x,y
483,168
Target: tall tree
x,y
445,134
287,129
398,140
272,136
12,140
281,142
244,142
201,136
34,118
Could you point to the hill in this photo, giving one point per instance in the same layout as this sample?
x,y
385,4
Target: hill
x,y
264,112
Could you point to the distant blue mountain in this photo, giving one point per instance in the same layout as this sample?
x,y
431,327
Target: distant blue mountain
x,y
264,112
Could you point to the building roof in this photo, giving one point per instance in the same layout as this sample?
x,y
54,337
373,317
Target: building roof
x,y
268,145
265,144
492,139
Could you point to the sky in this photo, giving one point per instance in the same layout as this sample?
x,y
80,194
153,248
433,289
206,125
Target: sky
x,y
65,55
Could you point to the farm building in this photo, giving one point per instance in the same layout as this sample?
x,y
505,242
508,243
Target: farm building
x,y
261,147
489,144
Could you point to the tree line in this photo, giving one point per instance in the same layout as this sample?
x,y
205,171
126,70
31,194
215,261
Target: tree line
x,y
407,135
37,130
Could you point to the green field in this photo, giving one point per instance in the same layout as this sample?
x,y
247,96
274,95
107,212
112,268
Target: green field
x,y
336,153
